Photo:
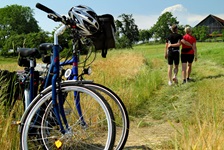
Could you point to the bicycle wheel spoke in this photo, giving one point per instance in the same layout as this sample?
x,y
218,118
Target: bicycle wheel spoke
x,y
97,133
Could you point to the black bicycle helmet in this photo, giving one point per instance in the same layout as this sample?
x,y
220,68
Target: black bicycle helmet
x,y
85,19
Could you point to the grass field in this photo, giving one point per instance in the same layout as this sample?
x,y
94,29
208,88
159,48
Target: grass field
x,y
139,76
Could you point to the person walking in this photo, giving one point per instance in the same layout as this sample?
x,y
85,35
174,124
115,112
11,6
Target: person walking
x,y
188,54
172,53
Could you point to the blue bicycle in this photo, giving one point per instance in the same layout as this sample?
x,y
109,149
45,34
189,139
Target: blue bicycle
x,y
65,115
118,107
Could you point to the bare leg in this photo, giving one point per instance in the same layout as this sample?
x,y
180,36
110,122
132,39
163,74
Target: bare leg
x,y
175,70
184,72
189,70
170,68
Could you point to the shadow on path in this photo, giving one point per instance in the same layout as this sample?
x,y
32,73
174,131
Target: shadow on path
x,y
212,77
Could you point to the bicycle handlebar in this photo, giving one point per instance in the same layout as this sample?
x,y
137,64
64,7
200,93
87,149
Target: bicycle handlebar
x,y
53,15
44,8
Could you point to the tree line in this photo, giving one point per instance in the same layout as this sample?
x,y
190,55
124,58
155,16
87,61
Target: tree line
x,y
19,28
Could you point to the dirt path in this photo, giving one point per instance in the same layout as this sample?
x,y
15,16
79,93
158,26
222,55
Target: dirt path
x,y
151,137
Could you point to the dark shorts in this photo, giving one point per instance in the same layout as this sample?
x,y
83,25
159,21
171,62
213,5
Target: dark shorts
x,y
187,58
173,57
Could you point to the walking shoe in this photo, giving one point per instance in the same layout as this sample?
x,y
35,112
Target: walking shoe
x,y
169,83
184,81
189,80
175,80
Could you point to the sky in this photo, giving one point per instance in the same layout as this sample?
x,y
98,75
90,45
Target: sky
x,y
144,12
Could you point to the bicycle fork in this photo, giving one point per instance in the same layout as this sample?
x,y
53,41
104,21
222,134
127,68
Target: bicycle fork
x,y
74,76
58,106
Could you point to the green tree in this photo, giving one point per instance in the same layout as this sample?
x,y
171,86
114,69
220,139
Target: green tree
x,y
162,27
16,19
127,31
145,35
214,35
31,40
200,33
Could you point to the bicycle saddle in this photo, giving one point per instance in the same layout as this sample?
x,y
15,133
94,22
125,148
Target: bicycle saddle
x,y
28,52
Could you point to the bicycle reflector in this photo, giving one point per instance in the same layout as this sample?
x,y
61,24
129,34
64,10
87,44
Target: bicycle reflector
x,y
58,144
68,73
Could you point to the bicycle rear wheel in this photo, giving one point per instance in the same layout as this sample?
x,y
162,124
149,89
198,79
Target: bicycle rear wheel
x,y
119,110
95,129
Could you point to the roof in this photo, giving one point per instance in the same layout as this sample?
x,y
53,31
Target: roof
x,y
221,21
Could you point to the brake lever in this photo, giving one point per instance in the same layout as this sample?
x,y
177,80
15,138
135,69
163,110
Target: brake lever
x,y
54,17
65,20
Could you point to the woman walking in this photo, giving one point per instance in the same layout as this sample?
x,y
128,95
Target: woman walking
x,y
188,54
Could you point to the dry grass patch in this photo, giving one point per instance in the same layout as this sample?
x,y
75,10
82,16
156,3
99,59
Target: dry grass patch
x,y
10,67
124,66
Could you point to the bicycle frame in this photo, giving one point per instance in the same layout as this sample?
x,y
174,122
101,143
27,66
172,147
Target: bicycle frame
x,y
52,79
54,74
73,76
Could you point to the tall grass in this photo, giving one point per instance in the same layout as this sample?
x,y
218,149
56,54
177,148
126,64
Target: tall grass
x,y
9,136
9,133
139,77
203,129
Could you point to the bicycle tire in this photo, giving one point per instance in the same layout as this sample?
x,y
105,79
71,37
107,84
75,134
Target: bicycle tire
x,y
70,139
119,110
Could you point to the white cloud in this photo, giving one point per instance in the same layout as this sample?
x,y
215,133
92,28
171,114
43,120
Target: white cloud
x,y
184,16
146,22
176,9
181,13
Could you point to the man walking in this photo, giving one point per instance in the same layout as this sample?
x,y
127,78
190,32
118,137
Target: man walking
x,y
172,53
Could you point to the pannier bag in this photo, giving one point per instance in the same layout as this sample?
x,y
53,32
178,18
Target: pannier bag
x,y
104,38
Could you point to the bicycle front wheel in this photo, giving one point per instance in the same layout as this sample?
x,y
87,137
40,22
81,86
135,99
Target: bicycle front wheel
x,y
119,111
92,127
